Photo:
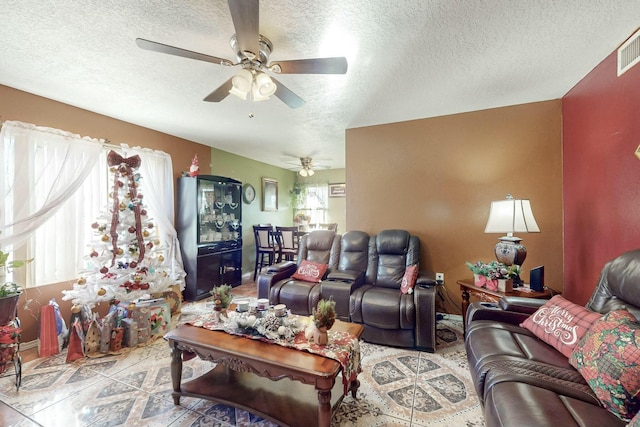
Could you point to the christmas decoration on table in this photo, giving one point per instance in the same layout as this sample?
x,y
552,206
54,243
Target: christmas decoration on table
x,y
125,260
194,170
324,316
222,296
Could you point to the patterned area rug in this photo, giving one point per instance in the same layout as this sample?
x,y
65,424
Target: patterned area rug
x,y
398,387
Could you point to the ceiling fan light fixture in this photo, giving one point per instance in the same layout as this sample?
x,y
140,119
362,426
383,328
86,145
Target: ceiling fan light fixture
x,y
241,83
266,86
310,172
303,172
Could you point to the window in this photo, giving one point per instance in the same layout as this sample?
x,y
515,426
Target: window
x,y
315,203
45,218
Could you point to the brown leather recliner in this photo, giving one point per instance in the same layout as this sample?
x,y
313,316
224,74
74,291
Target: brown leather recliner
x,y
349,276
390,317
322,246
512,368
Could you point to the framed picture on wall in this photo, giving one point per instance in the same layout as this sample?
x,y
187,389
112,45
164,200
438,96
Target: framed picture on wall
x,y
269,194
338,190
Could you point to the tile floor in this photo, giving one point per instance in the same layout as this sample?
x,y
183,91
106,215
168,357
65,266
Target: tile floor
x,y
130,389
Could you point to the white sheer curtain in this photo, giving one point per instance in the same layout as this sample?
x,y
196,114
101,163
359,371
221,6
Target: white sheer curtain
x,y
156,169
40,168
54,184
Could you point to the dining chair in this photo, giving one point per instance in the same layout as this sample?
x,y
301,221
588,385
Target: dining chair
x,y
266,247
333,226
288,239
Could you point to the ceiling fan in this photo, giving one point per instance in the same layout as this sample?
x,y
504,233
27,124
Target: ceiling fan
x,y
307,166
252,51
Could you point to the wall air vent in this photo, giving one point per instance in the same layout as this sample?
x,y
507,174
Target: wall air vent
x,y
629,53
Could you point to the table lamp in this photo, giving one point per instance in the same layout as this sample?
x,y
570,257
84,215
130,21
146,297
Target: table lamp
x,y
511,216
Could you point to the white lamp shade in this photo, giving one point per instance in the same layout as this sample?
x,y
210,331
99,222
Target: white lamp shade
x,y
310,172
266,86
242,83
511,216
303,172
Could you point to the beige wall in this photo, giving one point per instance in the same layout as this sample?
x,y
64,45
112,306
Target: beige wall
x,y
25,107
437,177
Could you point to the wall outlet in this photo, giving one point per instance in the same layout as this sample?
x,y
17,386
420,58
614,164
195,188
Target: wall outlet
x,y
440,278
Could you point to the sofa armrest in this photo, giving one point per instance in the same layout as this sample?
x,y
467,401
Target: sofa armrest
x,y
425,301
274,274
349,276
521,305
283,266
426,279
477,312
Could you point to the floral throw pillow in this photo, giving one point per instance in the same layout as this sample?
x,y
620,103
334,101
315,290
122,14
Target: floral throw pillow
x,y
609,359
309,271
409,279
561,323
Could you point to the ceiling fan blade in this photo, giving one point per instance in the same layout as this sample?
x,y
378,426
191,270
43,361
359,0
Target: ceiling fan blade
x,y
245,15
287,96
336,65
171,50
220,93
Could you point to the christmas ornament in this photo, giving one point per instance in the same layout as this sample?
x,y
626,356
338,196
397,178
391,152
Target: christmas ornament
x,y
194,170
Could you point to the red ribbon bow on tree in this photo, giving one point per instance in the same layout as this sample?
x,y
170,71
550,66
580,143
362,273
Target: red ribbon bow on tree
x,y
115,159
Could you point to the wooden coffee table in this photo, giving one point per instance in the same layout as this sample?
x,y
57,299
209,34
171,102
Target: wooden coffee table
x,y
284,385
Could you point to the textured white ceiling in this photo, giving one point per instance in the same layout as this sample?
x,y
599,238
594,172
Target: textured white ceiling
x,y
408,59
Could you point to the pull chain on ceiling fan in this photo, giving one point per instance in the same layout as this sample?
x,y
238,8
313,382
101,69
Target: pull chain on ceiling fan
x,y
252,52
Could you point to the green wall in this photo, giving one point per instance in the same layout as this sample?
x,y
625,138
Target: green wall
x,y
251,172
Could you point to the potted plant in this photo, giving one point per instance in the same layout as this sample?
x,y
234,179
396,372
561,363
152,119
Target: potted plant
x,y
9,265
9,291
324,316
494,275
221,297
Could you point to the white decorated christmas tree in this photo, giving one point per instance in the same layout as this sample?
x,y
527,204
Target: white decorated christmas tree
x,y
125,259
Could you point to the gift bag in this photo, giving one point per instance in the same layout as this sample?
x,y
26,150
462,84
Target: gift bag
x,y
93,337
48,335
76,342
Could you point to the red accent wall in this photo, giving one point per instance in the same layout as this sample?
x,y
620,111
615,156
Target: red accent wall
x,y
601,174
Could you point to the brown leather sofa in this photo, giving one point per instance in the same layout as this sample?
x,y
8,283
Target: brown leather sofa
x,y
389,316
522,381
321,246
364,278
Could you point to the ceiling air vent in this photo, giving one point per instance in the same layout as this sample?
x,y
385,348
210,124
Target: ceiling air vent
x,y
629,53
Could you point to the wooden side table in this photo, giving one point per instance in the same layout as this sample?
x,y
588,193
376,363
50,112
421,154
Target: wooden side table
x,y
468,289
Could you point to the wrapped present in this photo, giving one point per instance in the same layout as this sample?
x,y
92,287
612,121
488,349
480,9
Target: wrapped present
x,y
76,342
130,332
173,297
144,333
140,314
115,343
93,337
159,315
108,322
48,336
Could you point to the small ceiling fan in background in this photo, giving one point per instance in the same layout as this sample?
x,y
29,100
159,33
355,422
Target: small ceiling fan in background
x,y
252,51
307,166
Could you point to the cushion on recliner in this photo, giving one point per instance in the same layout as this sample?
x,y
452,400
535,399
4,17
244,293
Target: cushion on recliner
x,y
609,359
561,323
388,309
310,271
